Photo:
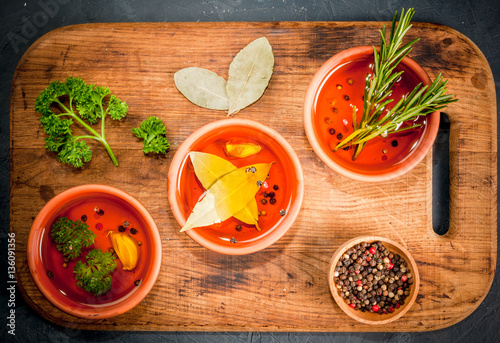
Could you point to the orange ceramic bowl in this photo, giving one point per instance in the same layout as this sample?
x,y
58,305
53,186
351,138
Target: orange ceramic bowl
x,y
58,284
371,317
231,236
334,89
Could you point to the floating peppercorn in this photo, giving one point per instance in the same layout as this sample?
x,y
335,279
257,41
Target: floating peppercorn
x,y
99,226
139,243
346,97
265,195
282,212
272,194
99,211
126,223
263,201
350,81
84,218
394,143
121,228
331,131
276,187
340,136
133,230
137,282
272,201
233,240
50,274
335,110
328,120
259,183
238,228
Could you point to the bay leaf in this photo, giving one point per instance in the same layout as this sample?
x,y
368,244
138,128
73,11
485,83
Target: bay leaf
x,y
209,169
202,87
249,74
227,196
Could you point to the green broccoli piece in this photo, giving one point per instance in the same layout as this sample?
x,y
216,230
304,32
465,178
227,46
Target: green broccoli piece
x,y
153,132
85,105
94,276
71,237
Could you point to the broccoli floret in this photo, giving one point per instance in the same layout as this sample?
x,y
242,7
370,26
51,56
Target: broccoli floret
x,y
153,132
94,276
85,105
71,237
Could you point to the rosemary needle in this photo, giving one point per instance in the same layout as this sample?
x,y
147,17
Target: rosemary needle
x,y
378,89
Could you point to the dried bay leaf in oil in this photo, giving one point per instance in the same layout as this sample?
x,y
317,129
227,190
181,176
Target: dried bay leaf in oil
x,y
209,169
249,74
202,87
228,196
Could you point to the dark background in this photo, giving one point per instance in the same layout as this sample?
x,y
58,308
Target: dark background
x,y
478,19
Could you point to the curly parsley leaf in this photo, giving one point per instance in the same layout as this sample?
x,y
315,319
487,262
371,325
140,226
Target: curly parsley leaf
x,y
94,275
71,237
79,104
153,133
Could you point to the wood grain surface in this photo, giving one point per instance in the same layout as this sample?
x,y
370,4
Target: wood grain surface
x,y
284,287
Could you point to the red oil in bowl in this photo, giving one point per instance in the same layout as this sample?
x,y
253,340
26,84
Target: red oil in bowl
x,y
343,89
116,213
282,181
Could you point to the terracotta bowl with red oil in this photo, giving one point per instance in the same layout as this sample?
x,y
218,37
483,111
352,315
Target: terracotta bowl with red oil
x,y
279,198
336,87
385,276
103,209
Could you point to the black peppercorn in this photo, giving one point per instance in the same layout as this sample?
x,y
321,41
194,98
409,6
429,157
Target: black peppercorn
x,y
263,201
121,228
340,136
84,218
276,187
272,201
239,228
331,131
394,143
133,230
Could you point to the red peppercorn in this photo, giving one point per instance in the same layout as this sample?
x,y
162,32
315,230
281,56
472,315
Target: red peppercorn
x,y
359,282
373,250
398,305
353,305
357,271
375,308
404,278
368,258
98,226
391,309
391,265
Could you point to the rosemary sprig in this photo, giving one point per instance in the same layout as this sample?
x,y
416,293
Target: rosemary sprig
x,y
378,88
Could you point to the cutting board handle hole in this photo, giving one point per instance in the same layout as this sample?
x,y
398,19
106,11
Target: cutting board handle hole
x,y
441,178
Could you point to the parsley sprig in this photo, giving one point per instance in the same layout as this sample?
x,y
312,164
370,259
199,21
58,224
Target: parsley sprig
x,y
378,88
79,103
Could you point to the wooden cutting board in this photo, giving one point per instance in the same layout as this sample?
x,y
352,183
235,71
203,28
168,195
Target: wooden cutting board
x,y
284,287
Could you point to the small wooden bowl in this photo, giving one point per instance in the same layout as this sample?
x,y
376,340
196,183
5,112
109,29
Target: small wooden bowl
x,y
369,317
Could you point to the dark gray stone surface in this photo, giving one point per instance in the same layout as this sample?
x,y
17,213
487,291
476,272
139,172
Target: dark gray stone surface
x,y
22,22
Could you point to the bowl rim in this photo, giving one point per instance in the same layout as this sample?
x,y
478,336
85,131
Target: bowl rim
x,y
106,310
315,87
180,157
353,313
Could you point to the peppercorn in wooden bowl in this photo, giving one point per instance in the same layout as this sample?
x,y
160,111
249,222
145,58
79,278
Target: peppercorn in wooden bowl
x,y
94,251
374,280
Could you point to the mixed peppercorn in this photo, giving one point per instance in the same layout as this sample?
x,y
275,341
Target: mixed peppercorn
x,y
371,278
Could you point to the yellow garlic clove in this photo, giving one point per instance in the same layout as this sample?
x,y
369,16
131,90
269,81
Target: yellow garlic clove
x,y
126,248
241,149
